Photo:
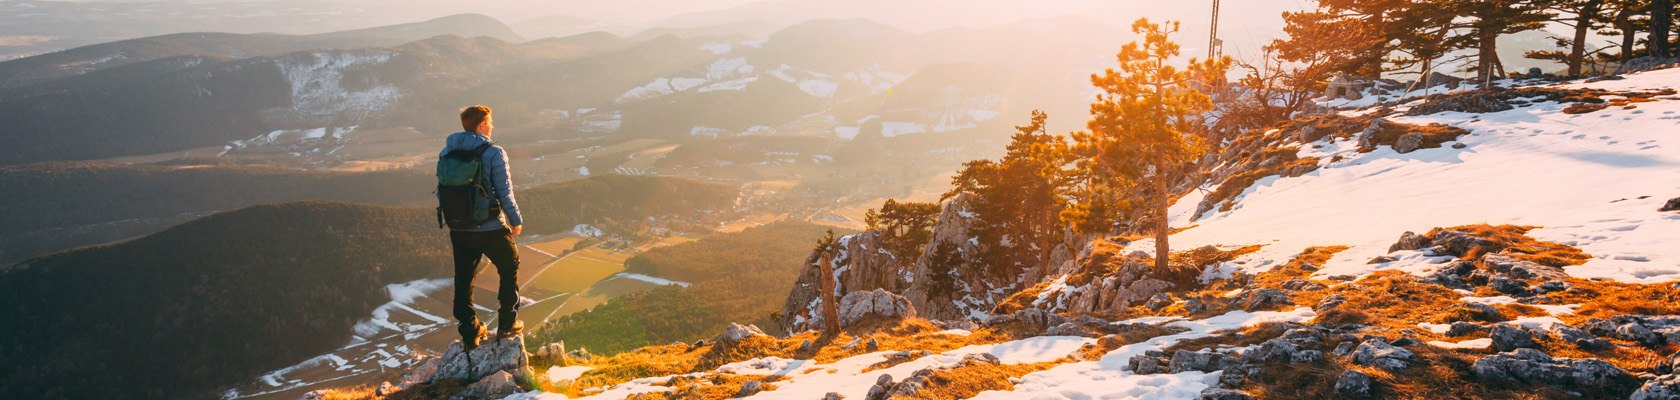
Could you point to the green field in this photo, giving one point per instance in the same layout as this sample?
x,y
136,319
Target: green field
x,y
576,272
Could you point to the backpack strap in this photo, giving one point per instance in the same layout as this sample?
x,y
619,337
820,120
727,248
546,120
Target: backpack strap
x,y
478,152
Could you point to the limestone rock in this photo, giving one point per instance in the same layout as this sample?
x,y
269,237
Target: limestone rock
x,y
1507,338
749,388
1354,385
1378,353
861,305
494,355
1215,393
1530,366
496,385
1664,387
736,333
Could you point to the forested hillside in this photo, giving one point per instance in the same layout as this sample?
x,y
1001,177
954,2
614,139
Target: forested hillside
x,y
59,205
187,311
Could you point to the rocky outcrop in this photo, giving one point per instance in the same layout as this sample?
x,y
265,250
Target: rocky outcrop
x,y
1378,353
492,356
1643,329
875,305
863,264
1534,367
1672,205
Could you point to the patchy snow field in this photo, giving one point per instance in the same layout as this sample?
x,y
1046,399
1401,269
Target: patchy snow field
x,y
1591,180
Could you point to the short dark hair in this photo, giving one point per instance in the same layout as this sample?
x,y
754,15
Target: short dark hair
x,y
472,116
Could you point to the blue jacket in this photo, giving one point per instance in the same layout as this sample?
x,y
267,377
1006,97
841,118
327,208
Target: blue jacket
x,y
496,168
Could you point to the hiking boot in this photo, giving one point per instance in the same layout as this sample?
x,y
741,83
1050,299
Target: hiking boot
x,y
508,332
472,337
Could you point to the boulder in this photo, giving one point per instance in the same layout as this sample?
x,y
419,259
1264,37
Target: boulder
x,y
1355,385
833,396
1581,338
749,388
1530,366
1298,285
495,386
1262,299
1193,361
1672,205
1378,353
1461,328
1507,338
1509,286
1158,301
1409,142
1329,303
493,356
868,305
1664,387
882,389
736,333
1410,241
1214,393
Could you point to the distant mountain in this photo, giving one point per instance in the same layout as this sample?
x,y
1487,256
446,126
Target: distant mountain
x,y
81,60
210,303
59,205
550,26
464,25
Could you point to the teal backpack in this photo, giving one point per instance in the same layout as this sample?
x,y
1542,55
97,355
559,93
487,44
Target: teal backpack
x,y
464,198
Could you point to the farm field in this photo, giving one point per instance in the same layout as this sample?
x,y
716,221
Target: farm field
x,y
576,272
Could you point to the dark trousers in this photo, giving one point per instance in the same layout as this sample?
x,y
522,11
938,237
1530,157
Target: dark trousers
x,y
498,246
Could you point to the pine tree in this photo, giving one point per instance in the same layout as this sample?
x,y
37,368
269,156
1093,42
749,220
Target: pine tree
x,y
1147,116
1582,16
1020,196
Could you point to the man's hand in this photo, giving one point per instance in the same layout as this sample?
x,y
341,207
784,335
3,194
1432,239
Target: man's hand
x,y
516,229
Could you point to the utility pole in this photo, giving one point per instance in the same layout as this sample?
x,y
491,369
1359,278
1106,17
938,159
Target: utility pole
x,y
1215,46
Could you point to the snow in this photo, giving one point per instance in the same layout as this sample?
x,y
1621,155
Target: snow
x,y
649,279
659,87
586,230
819,87
728,68
403,295
894,128
729,86
1107,378
847,132
1476,344
1527,166
315,83
561,374
717,48
954,332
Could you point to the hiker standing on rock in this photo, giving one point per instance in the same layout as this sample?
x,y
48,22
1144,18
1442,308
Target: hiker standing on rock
x,y
475,200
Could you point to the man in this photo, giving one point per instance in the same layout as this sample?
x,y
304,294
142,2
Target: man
x,y
493,238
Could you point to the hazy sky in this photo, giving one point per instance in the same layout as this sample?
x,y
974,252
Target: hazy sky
x,y
1243,23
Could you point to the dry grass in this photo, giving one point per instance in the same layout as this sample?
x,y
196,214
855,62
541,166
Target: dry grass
x,y
363,392
1315,256
1281,161
1583,108
1433,135
969,380
1513,239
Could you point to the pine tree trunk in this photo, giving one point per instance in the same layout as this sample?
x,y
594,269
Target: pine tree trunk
x,y
1161,207
1661,18
1487,55
831,309
1578,46
1624,23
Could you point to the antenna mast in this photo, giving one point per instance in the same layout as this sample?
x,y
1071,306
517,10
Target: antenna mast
x,y
1215,46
